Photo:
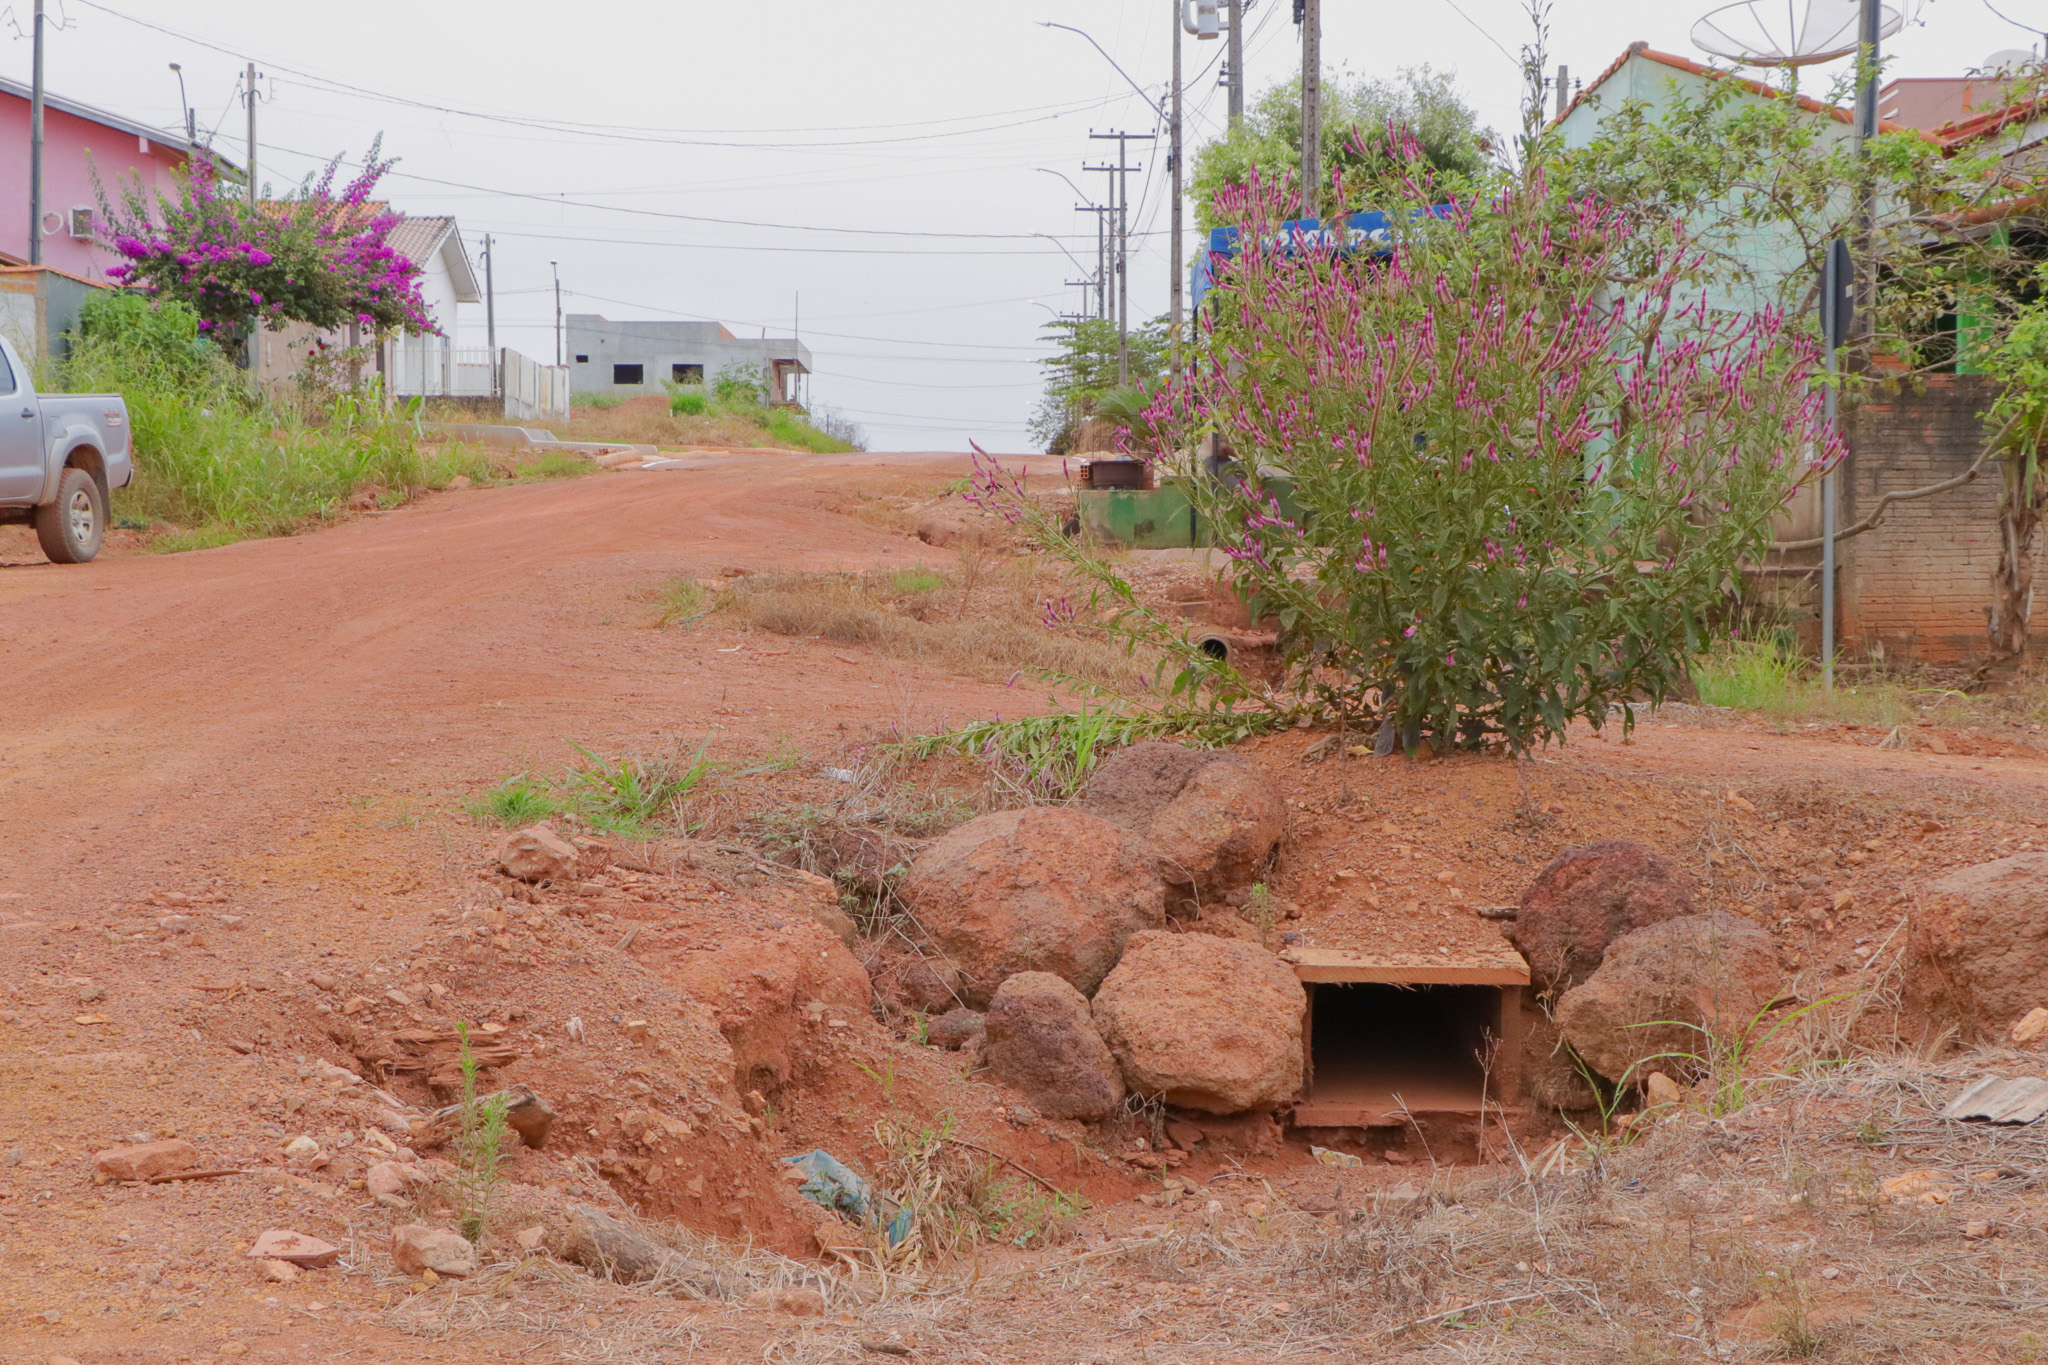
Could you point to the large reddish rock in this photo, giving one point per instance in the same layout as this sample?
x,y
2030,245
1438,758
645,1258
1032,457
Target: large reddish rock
x,y
1986,929
1203,1022
1670,988
1043,889
416,1247
1586,899
1212,818
145,1160
1042,1041
537,854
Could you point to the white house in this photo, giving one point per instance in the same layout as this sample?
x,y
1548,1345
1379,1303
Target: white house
x,y
410,365
434,366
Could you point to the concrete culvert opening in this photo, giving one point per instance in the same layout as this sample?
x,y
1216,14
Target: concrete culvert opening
x,y
1380,1049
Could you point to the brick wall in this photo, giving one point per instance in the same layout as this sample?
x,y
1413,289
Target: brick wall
x,y
1917,586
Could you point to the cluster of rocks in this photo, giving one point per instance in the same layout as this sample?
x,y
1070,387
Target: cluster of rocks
x,y
1629,970
1061,937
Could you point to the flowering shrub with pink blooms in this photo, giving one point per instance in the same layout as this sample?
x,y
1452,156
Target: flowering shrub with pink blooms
x,y
1522,464
313,256
1495,474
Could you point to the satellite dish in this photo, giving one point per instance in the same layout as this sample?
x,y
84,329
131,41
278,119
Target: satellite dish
x,y
1790,32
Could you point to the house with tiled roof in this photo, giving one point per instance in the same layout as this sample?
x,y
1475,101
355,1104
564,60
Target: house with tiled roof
x,y
429,365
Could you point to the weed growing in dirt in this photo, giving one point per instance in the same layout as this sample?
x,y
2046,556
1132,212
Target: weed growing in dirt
x,y
629,795
688,402
1048,757
517,801
633,795
680,601
479,1145
916,580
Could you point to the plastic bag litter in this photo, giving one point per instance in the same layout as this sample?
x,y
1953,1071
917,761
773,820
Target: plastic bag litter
x,y
1330,1158
836,1187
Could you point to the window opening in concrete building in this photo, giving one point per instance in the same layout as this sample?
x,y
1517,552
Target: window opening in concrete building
x,y
629,374
582,360
687,374
1378,1050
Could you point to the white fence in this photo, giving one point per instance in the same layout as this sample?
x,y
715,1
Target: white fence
x,y
533,391
427,367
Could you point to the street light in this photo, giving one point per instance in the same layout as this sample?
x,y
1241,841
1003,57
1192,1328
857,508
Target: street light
x,y
1159,108
191,127
1047,170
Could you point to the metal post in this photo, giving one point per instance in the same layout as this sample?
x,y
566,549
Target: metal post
x,y
1311,106
1836,308
1236,60
491,316
1173,253
35,143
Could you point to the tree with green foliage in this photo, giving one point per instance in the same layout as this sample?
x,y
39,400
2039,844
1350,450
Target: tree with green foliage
x,y
1356,111
1759,184
2019,422
1083,370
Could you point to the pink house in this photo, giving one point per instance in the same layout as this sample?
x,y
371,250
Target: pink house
x,y
71,130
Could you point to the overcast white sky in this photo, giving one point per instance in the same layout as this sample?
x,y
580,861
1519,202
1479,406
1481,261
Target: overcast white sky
x,y
893,145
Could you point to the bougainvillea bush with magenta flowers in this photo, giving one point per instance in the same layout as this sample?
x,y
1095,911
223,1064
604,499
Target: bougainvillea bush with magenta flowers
x,y
1526,462
313,256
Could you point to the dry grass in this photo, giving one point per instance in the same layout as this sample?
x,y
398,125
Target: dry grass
x,y
1761,1236
988,625
647,421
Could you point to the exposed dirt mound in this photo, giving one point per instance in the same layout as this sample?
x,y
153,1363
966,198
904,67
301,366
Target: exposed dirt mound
x,y
1587,898
1987,930
1661,985
1212,817
765,992
1042,1041
1203,1022
1043,889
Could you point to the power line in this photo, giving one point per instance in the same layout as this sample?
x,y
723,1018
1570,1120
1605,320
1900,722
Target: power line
x,y
687,217
629,132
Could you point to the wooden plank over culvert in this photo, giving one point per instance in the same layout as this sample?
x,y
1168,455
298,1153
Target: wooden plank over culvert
x,y
1390,1036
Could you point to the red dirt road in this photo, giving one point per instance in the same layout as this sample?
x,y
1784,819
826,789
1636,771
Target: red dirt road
x,y
180,707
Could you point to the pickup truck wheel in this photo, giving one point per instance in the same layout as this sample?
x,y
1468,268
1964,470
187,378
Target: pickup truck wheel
x,y
71,528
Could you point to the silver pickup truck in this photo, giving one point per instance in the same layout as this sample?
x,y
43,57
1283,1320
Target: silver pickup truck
x,y
61,454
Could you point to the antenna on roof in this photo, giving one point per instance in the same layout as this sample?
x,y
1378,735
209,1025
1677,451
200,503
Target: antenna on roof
x,y
1790,32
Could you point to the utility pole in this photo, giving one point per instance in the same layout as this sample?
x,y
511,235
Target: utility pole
x,y
1309,13
1234,63
1101,213
491,315
1564,88
558,312
35,143
1867,30
1120,230
1173,250
251,78
255,197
